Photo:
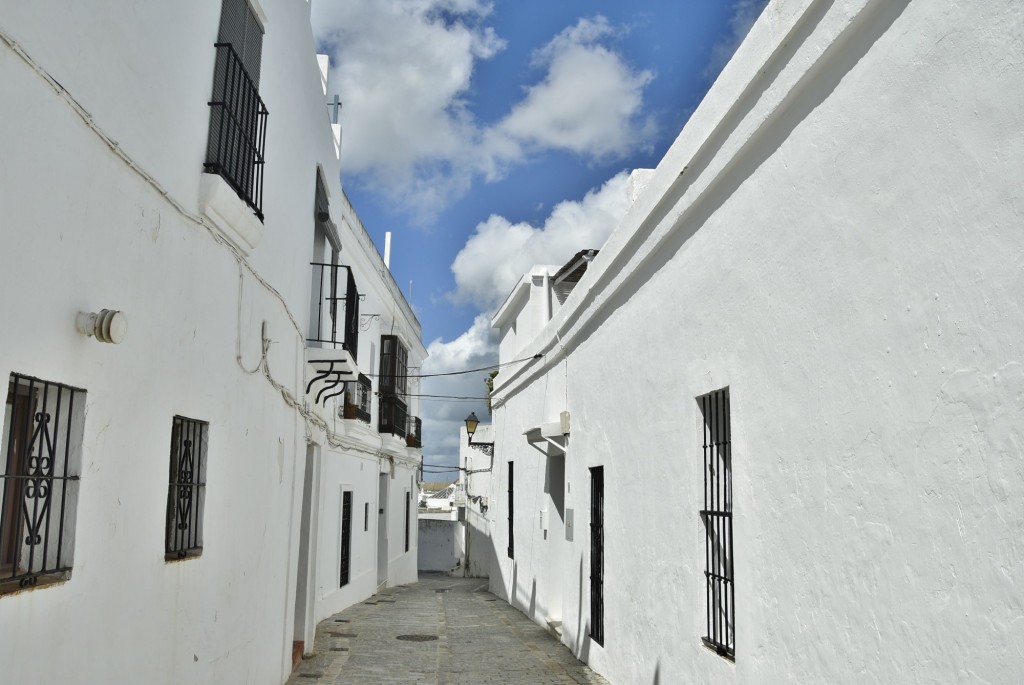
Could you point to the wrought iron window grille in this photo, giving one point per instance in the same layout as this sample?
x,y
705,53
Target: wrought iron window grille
x,y
511,518
597,554
346,538
238,128
717,516
186,492
408,514
42,438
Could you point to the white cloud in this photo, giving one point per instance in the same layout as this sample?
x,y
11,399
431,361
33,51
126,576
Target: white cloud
x,y
744,14
589,101
404,70
500,252
476,348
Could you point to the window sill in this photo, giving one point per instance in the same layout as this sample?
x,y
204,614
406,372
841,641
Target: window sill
x,y
14,587
183,556
229,214
719,650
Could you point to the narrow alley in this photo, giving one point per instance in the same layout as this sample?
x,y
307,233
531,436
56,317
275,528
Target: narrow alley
x,y
440,630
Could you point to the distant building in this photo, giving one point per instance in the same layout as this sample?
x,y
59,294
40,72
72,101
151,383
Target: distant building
x,y
209,440
774,431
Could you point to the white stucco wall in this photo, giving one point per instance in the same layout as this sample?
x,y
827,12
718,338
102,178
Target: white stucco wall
x,y
441,544
833,237
89,225
478,514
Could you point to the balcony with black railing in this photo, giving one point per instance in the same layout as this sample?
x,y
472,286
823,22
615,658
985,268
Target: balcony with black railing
x,y
333,339
238,129
337,300
357,399
393,416
414,431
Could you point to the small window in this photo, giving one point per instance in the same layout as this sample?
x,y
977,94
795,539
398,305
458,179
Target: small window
x,y
597,554
42,443
366,516
186,493
717,518
346,538
510,517
408,513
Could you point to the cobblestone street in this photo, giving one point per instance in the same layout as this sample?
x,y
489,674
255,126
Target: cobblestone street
x,y
454,632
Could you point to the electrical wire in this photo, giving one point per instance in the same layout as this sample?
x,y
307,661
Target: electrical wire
x,y
457,373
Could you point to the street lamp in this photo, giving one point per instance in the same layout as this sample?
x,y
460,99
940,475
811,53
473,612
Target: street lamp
x,y
471,424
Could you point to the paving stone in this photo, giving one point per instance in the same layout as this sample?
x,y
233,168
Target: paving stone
x,y
455,633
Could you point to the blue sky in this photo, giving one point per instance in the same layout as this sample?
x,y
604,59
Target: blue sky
x,y
490,136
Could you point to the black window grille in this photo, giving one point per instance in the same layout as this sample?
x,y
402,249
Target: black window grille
x,y
346,537
327,282
408,513
511,489
186,493
42,438
238,117
597,554
717,518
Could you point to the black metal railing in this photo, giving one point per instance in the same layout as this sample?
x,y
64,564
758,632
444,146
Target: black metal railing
x,y
413,431
42,443
238,129
326,289
392,416
357,399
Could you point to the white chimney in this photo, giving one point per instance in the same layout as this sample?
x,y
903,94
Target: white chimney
x,y
387,250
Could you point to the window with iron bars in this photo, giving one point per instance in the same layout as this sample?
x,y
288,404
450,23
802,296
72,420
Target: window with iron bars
x,y
186,493
408,514
597,554
42,441
717,517
511,518
238,117
346,538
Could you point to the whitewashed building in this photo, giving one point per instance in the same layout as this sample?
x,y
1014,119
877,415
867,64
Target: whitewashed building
x,y
226,451
774,434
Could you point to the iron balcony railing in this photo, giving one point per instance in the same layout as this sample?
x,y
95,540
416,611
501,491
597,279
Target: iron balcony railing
x,y
238,129
392,416
413,431
357,399
327,281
